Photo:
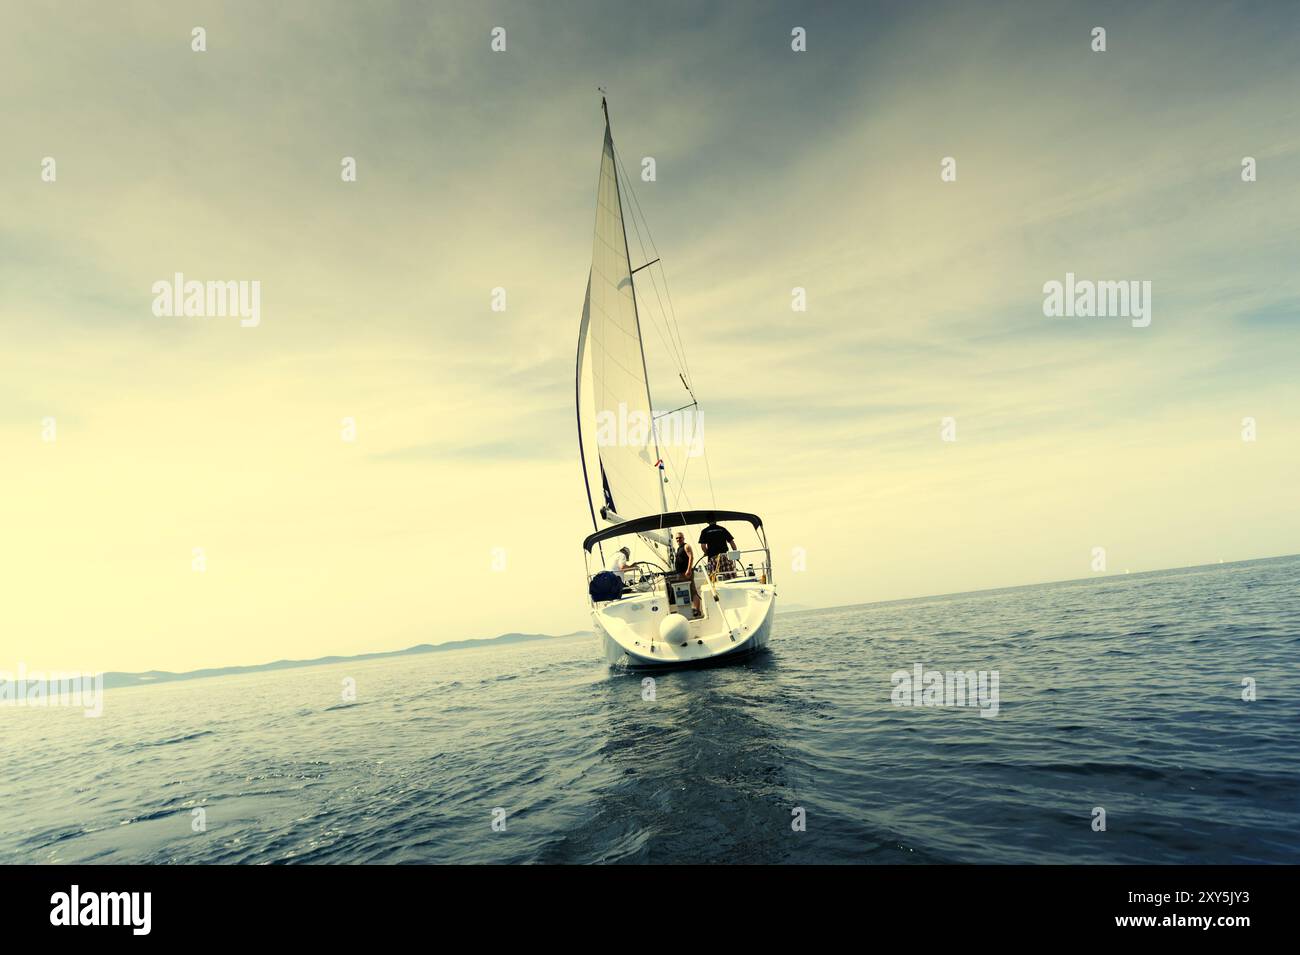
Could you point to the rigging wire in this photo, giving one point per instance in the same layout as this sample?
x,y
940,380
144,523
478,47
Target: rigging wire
x,y
677,346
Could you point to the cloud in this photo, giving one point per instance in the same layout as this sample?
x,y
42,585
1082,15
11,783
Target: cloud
x,y
478,171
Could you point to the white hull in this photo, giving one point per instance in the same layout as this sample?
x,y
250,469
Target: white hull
x,y
737,624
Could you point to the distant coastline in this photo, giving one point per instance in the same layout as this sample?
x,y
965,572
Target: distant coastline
x,y
795,608
113,679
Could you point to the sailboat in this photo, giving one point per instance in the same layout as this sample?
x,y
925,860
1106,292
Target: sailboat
x,y
670,586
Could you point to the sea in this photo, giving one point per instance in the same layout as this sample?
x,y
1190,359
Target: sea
x,y
1143,718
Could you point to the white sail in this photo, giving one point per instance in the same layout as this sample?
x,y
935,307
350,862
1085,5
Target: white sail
x,y
626,479
657,614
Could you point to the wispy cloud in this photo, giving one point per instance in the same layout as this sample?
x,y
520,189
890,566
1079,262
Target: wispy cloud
x,y
477,171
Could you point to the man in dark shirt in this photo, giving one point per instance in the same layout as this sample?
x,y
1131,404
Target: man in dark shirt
x,y
716,541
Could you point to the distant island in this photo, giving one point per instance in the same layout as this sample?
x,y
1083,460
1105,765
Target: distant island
x,y
793,608
114,679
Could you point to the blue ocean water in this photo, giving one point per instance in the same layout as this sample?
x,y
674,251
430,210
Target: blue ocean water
x,y
1119,693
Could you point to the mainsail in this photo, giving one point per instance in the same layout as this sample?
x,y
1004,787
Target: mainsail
x,y
629,480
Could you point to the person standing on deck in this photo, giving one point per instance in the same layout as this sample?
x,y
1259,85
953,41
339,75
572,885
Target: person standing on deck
x,y
717,541
685,570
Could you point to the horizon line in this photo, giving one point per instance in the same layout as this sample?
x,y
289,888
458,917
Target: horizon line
x,y
329,658
1047,583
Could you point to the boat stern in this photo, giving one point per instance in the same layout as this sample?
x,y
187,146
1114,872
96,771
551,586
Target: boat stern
x,y
645,630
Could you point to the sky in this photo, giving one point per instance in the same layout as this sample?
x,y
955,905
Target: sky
x,y
458,509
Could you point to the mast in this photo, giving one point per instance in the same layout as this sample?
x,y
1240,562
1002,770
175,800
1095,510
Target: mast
x,y
654,433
